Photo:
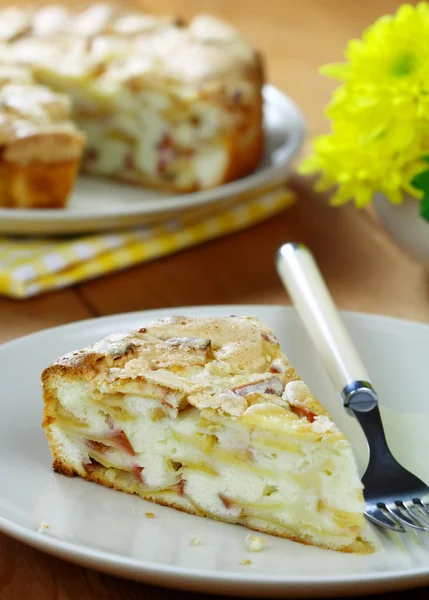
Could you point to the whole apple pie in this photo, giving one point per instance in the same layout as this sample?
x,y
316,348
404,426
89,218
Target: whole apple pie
x,y
155,101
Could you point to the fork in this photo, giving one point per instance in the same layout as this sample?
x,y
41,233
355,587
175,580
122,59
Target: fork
x,y
394,497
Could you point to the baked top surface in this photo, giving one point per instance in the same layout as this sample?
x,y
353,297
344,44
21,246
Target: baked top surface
x,y
31,115
232,365
111,43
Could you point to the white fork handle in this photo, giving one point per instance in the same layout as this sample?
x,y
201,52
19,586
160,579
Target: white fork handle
x,y
302,279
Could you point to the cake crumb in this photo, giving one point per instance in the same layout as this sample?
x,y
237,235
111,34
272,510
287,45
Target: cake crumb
x,y
150,515
195,541
245,561
43,527
254,543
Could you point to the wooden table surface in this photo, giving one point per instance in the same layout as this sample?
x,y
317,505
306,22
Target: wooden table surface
x,y
364,269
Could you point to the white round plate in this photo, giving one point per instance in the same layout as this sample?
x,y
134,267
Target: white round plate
x,y
98,204
107,530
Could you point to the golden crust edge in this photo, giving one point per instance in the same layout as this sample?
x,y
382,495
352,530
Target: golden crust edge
x,y
88,363
37,184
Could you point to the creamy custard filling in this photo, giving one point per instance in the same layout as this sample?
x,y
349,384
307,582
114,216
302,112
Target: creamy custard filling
x,y
148,135
145,144
228,471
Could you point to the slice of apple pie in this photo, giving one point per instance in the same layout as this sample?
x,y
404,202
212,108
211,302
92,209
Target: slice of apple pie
x,y
206,416
40,147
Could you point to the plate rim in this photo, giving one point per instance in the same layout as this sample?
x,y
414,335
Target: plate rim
x,y
349,314
271,94
185,577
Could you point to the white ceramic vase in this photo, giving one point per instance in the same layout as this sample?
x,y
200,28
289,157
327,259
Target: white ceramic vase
x,y
405,225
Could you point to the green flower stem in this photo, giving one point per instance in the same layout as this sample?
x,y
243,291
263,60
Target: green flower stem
x,y
421,182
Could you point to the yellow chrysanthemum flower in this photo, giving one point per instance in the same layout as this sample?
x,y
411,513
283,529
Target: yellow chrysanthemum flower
x,y
380,115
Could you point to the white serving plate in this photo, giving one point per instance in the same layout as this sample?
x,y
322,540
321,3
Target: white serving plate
x,y
97,204
107,530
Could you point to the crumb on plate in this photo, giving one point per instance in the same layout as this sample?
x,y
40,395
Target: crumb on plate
x,y
43,527
195,541
245,561
254,543
150,515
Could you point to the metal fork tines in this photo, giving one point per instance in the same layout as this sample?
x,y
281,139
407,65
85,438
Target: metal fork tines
x,y
395,498
399,516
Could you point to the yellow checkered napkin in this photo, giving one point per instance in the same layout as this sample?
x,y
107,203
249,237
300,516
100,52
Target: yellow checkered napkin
x,y
32,266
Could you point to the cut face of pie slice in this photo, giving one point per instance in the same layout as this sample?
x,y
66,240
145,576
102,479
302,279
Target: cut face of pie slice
x,y
207,416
